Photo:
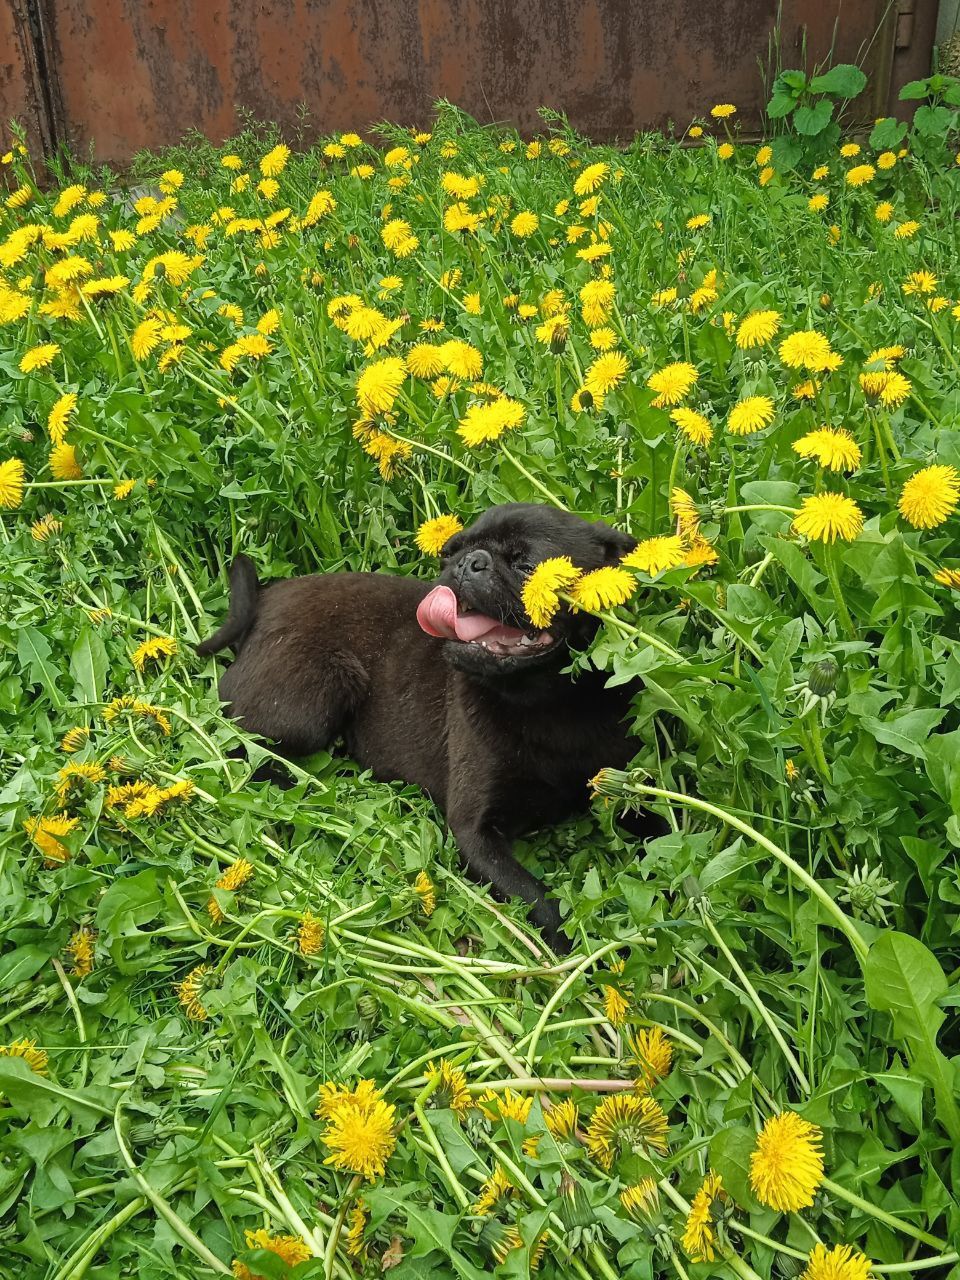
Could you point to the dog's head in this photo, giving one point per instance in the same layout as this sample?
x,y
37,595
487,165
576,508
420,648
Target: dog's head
x,y
476,605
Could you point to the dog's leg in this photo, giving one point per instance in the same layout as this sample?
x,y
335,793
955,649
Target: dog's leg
x,y
488,859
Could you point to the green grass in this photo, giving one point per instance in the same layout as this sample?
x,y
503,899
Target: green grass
x,y
793,938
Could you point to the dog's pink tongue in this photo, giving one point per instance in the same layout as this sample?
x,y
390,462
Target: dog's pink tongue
x,y
437,616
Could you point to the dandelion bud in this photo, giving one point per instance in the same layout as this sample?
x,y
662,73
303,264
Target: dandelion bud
x,y
577,1213
822,680
867,892
368,1006
586,398
26,435
558,341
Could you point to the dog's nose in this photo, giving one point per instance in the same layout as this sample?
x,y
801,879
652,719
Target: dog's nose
x,y
475,563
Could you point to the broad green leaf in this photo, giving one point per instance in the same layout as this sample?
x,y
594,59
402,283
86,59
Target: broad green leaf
x,y
812,120
730,1151
780,105
843,81
903,978
33,650
88,666
908,731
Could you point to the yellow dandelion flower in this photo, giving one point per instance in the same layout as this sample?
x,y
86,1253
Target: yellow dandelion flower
x,y
596,300
64,464
786,1166
604,588
562,1119
806,349
948,578
693,425
461,359
73,776
641,1200
764,156
485,422
652,1052
605,373
672,383
698,221
230,881
48,836
80,949
906,230
819,202
505,1105
723,111
43,529
74,739
40,357
524,224
11,483
884,211
590,179
36,1059
433,535
860,175
628,1122
615,1006
379,385
841,1262
757,328
700,553
930,496
834,448
360,1133
700,1233
751,414
152,650
145,337
492,1191
423,887
450,1087
603,339
274,162
311,934
290,1249
356,1225
541,589
655,555
190,993
826,517
919,282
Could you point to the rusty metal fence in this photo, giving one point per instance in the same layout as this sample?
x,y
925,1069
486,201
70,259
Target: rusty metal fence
x,y
113,76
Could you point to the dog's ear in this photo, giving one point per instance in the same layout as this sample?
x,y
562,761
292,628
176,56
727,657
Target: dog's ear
x,y
613,544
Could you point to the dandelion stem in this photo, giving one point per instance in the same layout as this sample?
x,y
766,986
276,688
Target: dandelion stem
x,y
540,488
758,1004
162,1206
881,1215
830,563
839,917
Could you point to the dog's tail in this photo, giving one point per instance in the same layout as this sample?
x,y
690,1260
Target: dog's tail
x,y
244,588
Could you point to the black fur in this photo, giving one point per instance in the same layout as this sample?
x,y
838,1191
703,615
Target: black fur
x,y
501,744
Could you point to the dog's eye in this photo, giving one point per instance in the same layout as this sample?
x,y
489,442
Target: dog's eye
x,y
523,567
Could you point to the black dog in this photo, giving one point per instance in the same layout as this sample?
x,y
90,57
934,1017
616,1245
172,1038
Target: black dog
x,y
445,685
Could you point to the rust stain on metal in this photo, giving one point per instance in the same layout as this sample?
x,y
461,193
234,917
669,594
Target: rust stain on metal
x,y
141,73
21,91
